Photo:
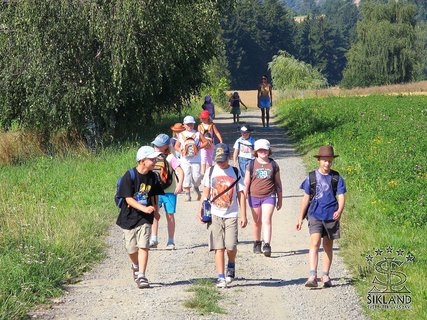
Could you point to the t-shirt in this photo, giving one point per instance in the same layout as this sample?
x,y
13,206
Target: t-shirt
x,y
187,134
210,107
226,206
141,189
324,204
263,183
245,147
174,163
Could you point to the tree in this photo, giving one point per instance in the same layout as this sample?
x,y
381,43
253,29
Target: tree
x,y
385,51
290,74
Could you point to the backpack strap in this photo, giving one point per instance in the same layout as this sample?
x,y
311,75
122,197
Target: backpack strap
x,y
132,174
313,184
274,165
334,181
251,167
236,171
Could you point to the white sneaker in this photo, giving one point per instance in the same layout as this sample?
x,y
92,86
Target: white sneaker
x,y
221,283
170,246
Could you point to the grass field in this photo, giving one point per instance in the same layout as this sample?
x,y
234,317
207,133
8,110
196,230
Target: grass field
x,y
382,145
54,214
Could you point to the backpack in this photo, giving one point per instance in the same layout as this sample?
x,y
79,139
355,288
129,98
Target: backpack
x,y
208,134
313,185
119,200
164,171
273,163
190,146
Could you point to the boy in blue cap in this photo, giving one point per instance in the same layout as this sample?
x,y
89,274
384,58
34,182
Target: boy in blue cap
x,y
223,185
323,212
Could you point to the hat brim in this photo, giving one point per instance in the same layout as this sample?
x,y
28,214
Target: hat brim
x,y
192,122
326,156
152,155
177,129
221,159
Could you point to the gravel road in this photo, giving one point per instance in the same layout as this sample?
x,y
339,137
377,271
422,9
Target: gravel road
x,y
265,288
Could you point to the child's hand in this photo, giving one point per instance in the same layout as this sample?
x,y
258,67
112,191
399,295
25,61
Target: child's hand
x,y
243,222
298,225
149,209
336,215
199,215
279,204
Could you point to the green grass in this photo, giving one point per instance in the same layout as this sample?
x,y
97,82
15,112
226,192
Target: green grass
x,y
382,145
54,215
206,298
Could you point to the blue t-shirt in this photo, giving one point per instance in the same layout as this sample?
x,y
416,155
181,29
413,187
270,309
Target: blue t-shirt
x,y
324,204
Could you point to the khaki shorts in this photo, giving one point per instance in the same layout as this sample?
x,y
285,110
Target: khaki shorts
x,y
325,228
137,238
222,233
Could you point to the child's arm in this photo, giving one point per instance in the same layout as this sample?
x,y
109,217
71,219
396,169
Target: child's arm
x,y
218,135
303,208
155,200
235,154
278,185
205,195
244,104
341,202
180,173
135,204
247,181
178,146
242,206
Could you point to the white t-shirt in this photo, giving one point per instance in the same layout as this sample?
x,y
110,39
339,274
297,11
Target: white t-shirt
x,y
245,147
226,206
181,139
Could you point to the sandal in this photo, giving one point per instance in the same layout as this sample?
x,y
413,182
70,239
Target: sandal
x,y
311,282
328,283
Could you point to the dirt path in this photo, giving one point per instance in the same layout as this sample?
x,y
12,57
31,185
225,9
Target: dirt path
x,y
265,288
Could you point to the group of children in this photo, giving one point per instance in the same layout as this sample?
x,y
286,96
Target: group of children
x,y
187,159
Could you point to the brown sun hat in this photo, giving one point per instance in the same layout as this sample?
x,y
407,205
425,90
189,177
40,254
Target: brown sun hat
x,y
326,151
177,127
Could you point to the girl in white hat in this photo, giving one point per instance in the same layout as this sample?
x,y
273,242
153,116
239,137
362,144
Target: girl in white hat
x,y
264,193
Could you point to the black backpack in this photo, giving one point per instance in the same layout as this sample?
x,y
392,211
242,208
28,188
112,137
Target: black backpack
x,y
313,185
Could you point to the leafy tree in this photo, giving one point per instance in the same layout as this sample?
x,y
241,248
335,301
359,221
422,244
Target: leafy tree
x,y
290,74
102,67
385,51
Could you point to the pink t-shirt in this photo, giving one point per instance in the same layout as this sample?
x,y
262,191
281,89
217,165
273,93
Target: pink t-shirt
x,y
174,163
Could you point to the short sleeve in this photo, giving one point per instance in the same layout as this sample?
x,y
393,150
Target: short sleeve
x,y
236,144
126,188
174,162
341,189
205,181
305,185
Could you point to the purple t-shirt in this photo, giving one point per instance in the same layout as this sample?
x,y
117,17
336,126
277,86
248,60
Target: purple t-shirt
x,y
210,107
324,204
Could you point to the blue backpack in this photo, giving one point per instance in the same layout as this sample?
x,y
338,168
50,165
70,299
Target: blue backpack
x,y
119,200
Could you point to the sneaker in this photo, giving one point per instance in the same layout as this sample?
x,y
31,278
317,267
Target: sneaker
x,y
311,282
187,197
221,283
257,246
266,249
230,275
198,193
327,283
142,282
170,246
135,271
153,243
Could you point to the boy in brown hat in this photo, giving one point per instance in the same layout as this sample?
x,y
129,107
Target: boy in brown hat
x,y
323,211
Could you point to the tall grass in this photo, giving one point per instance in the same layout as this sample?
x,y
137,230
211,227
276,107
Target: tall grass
x,y
55,212
382,145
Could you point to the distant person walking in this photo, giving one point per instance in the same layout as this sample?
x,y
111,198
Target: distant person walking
x,y
265,100
209,106
209,131
235,102
243,149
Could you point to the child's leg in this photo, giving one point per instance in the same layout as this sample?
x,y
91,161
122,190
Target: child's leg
x,y
170,218
314,249
256,215
142,259
134,258
267,214
231,254
327,256
238,118
219,261
203,170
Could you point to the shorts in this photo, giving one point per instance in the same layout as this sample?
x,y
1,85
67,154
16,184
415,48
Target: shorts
x,y
330,228
168,201
192,174
264,102
136,238
207,156
222,233
255,202
235,111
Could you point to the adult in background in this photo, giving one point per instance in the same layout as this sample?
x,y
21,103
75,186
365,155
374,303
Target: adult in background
x,y
265,100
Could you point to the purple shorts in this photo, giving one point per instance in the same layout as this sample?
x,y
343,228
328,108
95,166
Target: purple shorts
x,y
255,202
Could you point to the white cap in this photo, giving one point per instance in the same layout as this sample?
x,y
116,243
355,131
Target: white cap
x,y
146,152
189,119
262,144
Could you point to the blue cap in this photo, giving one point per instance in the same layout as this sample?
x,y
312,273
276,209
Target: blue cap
x,y
161,140
221,152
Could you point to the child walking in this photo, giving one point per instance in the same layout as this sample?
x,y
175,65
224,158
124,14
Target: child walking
x,y
264,193
224,183
176,129
171,177
209,106
140,190
323,211
243,149
209,130
235,102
